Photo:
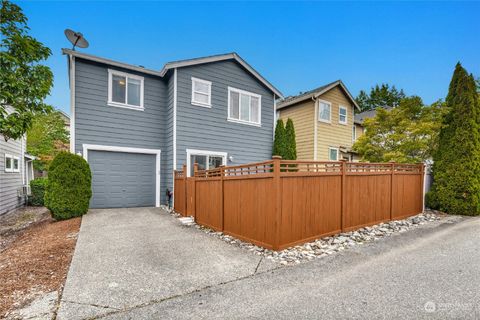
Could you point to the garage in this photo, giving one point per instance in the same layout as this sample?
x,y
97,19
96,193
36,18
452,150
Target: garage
x,y
123,179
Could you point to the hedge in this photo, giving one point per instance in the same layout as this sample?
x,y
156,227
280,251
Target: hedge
x,y
69,187
37,187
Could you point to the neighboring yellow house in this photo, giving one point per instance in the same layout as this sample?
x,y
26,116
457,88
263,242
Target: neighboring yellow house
x,y
324,122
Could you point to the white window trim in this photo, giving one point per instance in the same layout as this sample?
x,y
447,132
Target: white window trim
x,y
346,115
251,123
126,75
318,111
336,149
13,167
199,103
11,163
157,152
195,152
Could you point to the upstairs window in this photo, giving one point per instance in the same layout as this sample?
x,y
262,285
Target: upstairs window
x,y
125,90
201,92
244,107
342,115
324,111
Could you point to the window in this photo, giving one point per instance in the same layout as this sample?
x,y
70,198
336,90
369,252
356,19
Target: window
x,y
244,107
324,111
205,159
354,133
201,92
12,164
342,115
333,154
125,90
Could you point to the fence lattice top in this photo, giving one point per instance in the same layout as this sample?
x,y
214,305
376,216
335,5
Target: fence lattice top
x,y
297,167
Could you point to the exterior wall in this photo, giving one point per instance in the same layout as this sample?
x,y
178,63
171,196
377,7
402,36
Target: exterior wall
x,y
303,117
359,130
334,134
10,181
98,123
208,129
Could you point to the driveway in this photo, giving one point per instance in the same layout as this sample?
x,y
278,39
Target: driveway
x,y
428,273
127,258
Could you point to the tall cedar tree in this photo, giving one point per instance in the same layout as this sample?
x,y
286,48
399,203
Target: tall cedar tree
x,y
291,146
24,82
456,167
279,142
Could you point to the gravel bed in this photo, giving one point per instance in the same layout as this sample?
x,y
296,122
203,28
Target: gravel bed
x,y
328,245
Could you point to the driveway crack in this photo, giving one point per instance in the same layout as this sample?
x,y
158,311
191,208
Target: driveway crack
x,y
258,265
92,305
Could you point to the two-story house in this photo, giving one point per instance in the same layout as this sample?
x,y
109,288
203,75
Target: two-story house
x,y
324,122
135,125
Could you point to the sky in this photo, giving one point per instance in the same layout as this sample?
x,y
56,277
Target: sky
x,y
296,46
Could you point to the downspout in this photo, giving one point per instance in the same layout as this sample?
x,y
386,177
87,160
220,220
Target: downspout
x,y
174,160
71,71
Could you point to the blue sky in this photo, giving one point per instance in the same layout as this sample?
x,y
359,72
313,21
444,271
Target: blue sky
x,y
297,46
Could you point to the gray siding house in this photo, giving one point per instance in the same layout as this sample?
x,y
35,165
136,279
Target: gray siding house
x,y
134,125
16,170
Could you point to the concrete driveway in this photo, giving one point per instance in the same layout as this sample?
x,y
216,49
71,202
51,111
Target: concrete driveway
x,y
179,273
127,258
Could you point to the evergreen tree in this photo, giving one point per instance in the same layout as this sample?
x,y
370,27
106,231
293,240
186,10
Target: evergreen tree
x,y
379,96
456,167
291,145
279,142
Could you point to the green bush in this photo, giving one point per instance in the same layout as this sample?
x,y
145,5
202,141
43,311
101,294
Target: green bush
x,y
69,187
37,186
431,201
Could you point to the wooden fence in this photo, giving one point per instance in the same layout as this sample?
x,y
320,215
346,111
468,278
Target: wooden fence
x,y
277,204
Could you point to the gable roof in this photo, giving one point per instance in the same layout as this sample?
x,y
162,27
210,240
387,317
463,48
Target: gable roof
x,y
315,93
178,64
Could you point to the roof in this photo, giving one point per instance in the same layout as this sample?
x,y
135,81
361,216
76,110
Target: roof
x,y
315,93
360,117
178,64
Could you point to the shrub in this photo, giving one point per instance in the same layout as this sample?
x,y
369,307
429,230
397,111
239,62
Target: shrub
x,y
280,140
69,188
37,186
431,201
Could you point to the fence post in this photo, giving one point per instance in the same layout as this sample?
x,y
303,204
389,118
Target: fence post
x,y
194,191
222,171
392,173
278,200
343,195
185,209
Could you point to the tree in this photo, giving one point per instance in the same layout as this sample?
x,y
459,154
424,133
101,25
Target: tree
x,y
407,133
24,83
279,142
456,167
379,96
46,138
291,145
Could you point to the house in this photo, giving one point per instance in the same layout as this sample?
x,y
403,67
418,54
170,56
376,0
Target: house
x,y
66,119
16,171
360,118
324,122
136,125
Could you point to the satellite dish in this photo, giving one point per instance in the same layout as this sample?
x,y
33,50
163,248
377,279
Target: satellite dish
x,y
76,38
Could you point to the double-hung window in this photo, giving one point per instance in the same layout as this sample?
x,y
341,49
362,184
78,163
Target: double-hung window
x,y
342,115
201,92
324,111
125,90
244,106
12,164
